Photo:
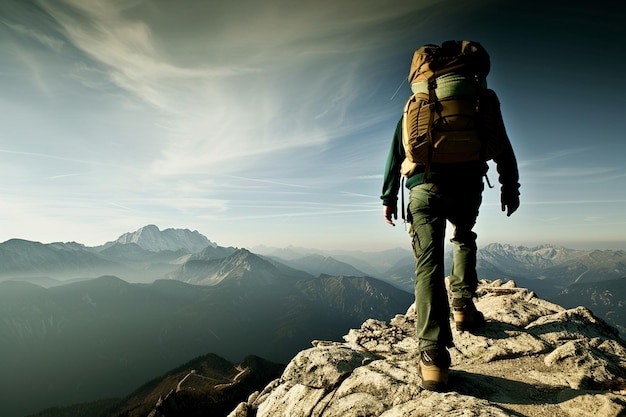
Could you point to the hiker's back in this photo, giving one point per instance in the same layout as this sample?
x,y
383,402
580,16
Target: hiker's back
x,y
452,117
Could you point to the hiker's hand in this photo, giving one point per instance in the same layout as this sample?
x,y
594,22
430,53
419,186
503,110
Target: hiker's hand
x,y
391,213
509,201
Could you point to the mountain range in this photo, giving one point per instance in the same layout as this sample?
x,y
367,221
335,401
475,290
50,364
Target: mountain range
x,y
149,254
98,321
557,266
102,337
531,358
91,338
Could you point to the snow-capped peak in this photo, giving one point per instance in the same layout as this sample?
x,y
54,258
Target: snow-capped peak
x,y
152,239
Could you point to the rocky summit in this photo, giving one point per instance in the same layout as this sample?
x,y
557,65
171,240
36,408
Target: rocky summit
x,y
532,358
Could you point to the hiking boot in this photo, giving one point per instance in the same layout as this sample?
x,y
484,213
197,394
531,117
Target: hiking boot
x,y
466,317
433,369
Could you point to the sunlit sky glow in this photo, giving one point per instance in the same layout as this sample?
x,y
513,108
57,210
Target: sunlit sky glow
x,y
269,122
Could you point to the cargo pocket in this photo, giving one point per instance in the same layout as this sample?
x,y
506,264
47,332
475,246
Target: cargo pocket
x,y
424,208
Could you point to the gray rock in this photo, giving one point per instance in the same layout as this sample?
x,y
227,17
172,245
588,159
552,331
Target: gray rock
x,y
532,358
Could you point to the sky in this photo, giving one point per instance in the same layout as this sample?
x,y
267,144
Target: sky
x,y
269,122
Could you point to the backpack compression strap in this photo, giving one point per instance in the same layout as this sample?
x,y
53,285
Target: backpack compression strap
x,y
432,107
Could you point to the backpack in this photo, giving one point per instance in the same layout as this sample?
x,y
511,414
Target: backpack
x,y
451,117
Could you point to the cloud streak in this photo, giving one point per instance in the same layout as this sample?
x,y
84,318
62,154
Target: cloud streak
x,y
53,43
228,99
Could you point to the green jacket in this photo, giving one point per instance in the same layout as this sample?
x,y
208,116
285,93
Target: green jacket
x,y
442,173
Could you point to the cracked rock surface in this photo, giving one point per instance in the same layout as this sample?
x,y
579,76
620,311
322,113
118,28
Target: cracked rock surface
x,y
532,358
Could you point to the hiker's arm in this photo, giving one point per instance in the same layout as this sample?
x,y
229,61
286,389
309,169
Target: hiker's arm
x,y
391,179
506,163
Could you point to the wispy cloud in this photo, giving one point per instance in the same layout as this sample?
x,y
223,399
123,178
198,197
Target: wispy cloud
x,y
569,166
574,174
49,156
552,156
124,46
51,42
285,82
565,202
57,177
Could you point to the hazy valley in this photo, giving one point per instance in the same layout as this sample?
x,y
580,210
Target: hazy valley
x,y
84,323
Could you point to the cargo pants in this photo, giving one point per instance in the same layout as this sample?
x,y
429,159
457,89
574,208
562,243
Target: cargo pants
x,y
430,206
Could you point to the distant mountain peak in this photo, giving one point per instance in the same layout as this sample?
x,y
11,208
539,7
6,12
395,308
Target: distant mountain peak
x,y
231,265
249,261
534,258
152,239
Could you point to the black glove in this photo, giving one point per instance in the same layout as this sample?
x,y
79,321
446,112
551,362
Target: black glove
x,y
509,199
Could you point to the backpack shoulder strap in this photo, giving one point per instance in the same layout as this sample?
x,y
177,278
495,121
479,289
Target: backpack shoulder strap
x,y
432,103
405,121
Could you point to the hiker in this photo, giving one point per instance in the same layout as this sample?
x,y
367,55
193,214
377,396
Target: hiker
x,y
446,188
